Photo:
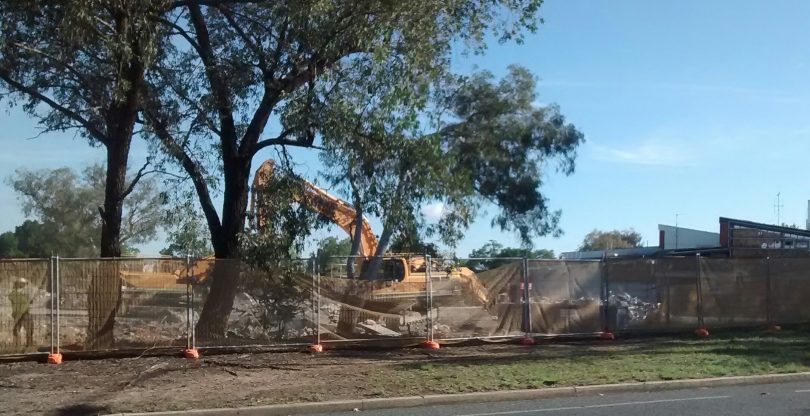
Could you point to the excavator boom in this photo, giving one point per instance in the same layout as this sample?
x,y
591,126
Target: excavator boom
x,y
337,210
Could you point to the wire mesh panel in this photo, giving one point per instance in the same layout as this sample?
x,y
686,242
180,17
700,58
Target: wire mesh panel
x,y
476,304
651,294
564,296
677,292
384,309
121,303
734,291
790,290
236,304
25,311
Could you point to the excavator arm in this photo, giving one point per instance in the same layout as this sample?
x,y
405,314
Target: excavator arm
x,y
318,200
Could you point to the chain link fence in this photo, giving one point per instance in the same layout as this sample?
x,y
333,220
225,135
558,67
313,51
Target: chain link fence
x,y
67,305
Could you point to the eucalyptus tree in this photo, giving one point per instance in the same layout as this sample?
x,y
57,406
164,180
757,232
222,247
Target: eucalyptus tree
x,y
77,65
233,68
473,142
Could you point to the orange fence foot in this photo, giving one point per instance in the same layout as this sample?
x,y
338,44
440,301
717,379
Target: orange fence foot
x,y
430,345
773,328
55,358
527,341
607,336
702,333
191,353
316,348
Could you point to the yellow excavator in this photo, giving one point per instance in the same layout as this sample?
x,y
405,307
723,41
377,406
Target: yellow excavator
x,y
408,273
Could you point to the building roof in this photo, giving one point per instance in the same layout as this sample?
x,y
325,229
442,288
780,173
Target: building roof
x,y
767,227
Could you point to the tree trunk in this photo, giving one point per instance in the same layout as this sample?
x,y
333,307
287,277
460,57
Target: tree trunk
x,y
104,293
352,261
213,323
377,260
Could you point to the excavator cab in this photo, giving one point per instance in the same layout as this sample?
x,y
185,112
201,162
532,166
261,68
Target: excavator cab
x,y
392,269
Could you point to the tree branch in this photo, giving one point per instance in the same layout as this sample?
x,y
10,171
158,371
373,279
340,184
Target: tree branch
x,y
219,87
209,3
182,32
282,140
141,173
34,93
195,173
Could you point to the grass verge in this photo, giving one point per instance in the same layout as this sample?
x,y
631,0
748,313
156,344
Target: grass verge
x,y
554,365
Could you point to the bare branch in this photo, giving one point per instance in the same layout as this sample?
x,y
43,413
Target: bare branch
x,y
219,87
282,140
141,173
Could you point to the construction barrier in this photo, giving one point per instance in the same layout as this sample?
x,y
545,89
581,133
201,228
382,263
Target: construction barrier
x,y
50,306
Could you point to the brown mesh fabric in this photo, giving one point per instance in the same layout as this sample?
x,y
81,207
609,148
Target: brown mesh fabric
x,y
480,304
273,303
676,282
121,303
790,290
25,306
648,295
734,291
565,296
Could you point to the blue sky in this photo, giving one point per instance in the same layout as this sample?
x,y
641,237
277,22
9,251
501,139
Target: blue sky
x,y
695,108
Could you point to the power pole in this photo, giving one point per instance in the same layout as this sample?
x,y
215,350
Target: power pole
x,y
778,208
676,231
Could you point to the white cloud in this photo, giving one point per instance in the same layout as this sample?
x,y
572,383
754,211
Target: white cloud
x,y
653,153
433,211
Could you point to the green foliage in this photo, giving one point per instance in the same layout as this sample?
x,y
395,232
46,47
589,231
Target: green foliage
x,y
8,246
67,62
281,293
497,255
470,143
606,240
187,233
66,206
410,242
332,251
278,228
37,240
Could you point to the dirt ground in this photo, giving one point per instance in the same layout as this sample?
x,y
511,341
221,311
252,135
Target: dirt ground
x,y
167,383
143,384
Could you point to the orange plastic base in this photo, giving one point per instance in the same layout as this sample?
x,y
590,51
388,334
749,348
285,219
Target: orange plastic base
x,y
773,328
607,336
316,348
431,345
55,358
527,341
702,332
191,353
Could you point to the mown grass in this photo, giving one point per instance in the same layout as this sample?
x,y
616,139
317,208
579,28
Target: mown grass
x,y
553,365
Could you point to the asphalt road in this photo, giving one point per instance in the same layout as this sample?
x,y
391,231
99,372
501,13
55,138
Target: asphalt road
x,y
753,400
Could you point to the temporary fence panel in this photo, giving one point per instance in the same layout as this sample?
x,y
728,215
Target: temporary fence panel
x,y
392,307
647,295
121,303
564,296
479,304
25,306
676,282
734,292
271,303
789,290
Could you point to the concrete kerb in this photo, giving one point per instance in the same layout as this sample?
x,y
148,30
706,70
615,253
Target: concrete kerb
x,y
480,397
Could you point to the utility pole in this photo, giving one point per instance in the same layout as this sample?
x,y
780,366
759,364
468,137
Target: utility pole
x,y
778,208
676,230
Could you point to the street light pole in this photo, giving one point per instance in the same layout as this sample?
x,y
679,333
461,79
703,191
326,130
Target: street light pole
x,y
676,231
